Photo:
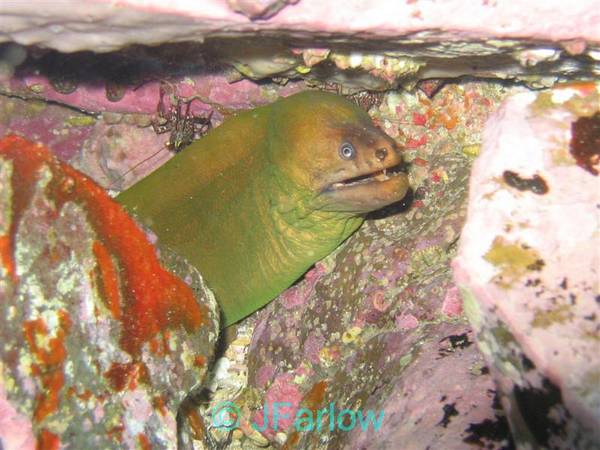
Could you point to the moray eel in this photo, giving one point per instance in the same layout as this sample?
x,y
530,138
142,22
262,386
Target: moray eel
x,y
261,198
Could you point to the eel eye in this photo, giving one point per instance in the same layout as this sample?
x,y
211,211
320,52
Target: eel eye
x,y
347,151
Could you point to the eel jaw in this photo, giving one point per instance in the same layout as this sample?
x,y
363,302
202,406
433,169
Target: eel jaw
x,y
367,192
377,176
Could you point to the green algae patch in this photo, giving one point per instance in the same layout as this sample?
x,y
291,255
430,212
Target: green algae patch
x,y
503,336
513,260
471,308
81,121
545,319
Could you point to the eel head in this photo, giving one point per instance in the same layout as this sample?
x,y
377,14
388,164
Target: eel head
x,y
334,151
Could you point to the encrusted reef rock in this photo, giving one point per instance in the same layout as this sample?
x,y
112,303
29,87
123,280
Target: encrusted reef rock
x,y
100,344
99,25
105,148
118,141
529,259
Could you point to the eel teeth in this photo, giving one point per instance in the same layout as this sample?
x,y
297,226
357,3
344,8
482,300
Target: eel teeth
x,y
380,175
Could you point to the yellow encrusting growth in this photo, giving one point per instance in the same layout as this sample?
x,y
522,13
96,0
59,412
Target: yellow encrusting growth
x,y
513,260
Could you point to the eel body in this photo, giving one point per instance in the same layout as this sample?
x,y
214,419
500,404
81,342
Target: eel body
x,y
261,198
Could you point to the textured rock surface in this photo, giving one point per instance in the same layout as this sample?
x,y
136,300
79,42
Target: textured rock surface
x,y
101,25
352,45
116,142
104,148
259,9
100,344
378,326
130,81
529,259
213,72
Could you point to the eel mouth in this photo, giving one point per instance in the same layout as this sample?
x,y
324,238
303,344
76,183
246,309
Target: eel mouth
x,y
367,192
374,177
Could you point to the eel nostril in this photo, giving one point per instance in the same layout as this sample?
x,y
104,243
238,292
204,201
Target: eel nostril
x,y
381,153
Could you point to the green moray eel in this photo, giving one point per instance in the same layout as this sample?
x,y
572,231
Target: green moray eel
x,y
261,198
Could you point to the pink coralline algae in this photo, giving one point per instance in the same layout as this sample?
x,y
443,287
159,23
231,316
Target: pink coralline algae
x,y
528,263
452,305
313,346
21,436
93,326
298,294
264,375
284,394
406,321
102,26
143,97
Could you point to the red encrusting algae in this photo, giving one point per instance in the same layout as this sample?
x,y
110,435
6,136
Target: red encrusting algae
x,y
196,424
47,441
6,256
109,279
313,400
151,299
123,376
49,360
144,442
585,143
160,404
